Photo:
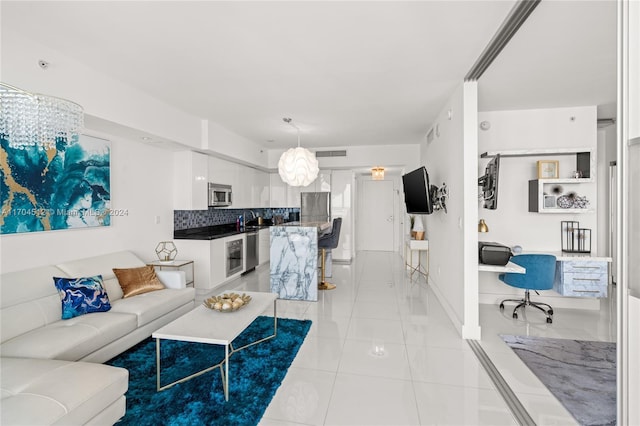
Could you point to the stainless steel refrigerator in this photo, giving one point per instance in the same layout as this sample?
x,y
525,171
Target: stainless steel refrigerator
x,y
315,207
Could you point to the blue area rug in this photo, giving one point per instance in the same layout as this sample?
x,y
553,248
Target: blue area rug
x,y
255,373
580,374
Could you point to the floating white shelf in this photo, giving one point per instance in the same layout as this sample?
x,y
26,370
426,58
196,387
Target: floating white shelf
x,y
535,152
558,210
540,195
566,181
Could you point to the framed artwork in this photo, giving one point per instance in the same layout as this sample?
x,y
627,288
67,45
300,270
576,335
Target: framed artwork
x,y
548,169
65,187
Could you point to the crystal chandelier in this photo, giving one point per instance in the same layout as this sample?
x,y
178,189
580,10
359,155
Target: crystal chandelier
x,y
30,119
298,166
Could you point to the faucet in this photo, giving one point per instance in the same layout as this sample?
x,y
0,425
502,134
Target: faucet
x,y
252,214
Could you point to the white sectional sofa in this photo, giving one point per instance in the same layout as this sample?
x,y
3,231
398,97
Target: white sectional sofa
x,y
49,367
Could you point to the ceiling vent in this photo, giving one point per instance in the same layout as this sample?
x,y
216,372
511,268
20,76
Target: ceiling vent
x,y
340,153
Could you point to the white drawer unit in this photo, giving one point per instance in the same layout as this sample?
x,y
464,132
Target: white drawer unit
x,y
582,278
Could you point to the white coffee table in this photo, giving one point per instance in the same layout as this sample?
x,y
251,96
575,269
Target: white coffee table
x,y
204,325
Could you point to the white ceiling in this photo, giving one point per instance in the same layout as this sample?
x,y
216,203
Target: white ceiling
x,y
348,73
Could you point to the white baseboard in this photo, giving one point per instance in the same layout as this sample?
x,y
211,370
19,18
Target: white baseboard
x,y
554,301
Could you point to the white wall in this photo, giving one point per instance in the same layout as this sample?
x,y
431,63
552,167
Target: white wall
x,y
343,205
226,144
628,301
112,101
453,273
141,183
511,223
364,156
606,154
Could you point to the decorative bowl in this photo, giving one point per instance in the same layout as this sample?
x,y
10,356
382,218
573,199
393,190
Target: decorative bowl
x,y
228,302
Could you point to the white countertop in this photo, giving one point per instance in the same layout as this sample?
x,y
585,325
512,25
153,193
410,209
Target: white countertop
x,y
321,226
562,256
418,244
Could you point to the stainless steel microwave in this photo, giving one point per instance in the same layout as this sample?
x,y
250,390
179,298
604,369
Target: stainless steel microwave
x,y
219,195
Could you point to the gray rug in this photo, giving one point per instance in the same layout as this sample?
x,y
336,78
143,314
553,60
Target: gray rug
x,y
581,374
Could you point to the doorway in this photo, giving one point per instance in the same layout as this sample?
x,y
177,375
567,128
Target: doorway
x,y
376,216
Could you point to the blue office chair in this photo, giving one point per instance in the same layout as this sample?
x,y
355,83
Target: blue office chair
x,y
541,270
327,242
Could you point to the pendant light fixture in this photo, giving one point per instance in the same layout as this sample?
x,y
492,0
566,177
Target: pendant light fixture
x,y
377,173
297,166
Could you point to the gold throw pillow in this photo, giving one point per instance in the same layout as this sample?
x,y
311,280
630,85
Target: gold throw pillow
x,y
136,281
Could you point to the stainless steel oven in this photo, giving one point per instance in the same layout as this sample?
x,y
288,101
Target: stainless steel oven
x,y
234,255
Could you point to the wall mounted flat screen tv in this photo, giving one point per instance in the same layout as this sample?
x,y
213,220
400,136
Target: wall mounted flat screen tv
x,y
416,192
489,183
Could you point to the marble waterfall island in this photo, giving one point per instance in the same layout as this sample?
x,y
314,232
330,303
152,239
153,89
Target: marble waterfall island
x,y
294,262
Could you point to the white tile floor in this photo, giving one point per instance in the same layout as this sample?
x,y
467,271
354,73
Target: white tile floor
x,y
381,351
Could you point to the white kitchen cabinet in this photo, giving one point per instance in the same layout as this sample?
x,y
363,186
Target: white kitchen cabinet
x,y
321,184
217,262
210,261
283,195
224,172
293,195
277,191
241,178
198,251
191,180
261,181
250,186
220,171
264,246
258,188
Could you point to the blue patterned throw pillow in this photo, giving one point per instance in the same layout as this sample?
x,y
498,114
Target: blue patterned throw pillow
x,y
82,295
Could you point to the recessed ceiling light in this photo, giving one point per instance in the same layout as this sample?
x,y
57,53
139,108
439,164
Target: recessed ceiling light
x,y
145,138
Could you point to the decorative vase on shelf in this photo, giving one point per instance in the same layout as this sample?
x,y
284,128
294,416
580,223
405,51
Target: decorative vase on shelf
x,y
418,229
412,221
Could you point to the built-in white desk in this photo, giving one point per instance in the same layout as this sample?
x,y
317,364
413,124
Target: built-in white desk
x,y
509,267
577,274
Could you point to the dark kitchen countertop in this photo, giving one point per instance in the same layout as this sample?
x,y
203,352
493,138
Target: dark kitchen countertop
x,y
214,232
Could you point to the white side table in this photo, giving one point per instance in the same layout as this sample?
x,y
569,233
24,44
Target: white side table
x,y
176,265
419,246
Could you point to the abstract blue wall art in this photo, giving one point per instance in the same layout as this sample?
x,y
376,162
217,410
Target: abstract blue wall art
x,y
64,187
